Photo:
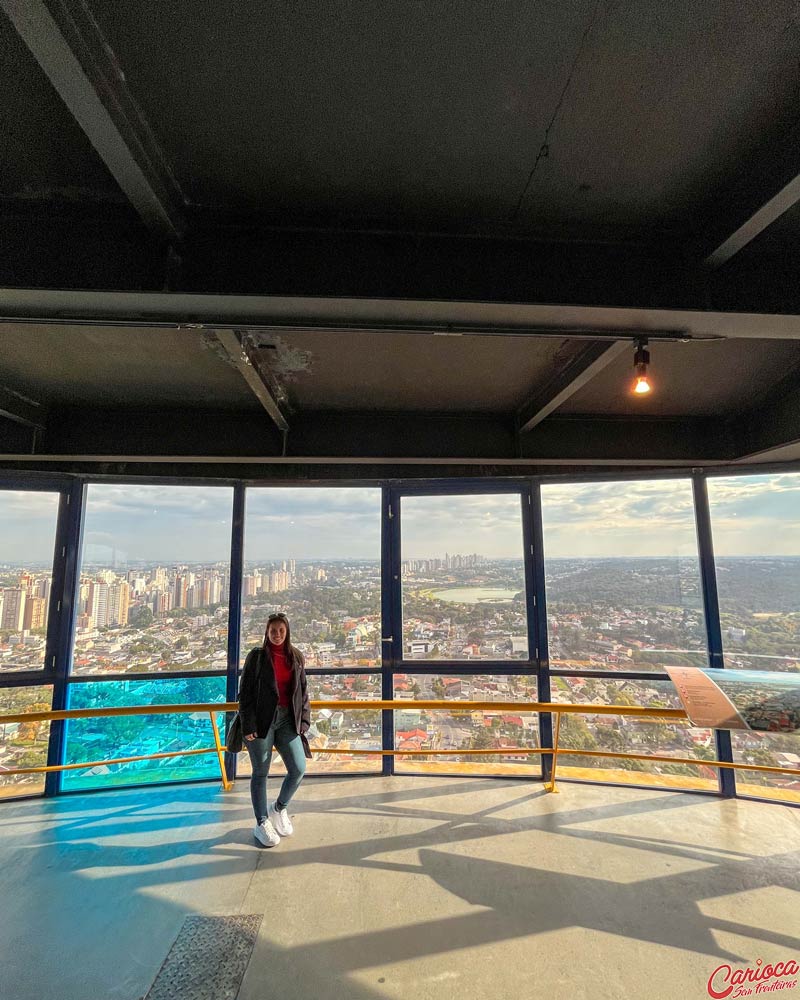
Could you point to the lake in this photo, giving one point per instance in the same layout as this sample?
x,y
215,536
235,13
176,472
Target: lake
x,y
474,595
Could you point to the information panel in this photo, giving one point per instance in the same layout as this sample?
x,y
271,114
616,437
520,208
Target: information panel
x,y
739,699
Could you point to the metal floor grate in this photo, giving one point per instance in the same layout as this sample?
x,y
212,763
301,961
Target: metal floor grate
x,y
207,959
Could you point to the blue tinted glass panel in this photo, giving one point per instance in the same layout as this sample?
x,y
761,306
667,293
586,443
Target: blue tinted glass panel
x,y
102,739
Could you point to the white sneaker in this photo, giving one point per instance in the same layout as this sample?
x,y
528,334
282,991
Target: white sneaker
x,y
281,822
265,834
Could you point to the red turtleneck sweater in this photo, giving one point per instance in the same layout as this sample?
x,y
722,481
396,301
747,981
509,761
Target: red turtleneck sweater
x,y
283,674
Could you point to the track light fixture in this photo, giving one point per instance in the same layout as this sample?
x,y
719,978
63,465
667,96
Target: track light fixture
x,y
641,360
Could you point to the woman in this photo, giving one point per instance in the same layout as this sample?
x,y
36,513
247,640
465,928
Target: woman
x,y
275,711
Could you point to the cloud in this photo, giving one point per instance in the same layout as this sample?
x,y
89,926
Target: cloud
x,y
27,526
619,518
756,515
751,515
130,523
312,523
489,525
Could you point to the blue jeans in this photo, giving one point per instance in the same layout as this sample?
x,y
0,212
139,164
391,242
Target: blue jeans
x,y
284,737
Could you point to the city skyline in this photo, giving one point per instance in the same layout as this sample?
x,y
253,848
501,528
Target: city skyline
x,y
130,524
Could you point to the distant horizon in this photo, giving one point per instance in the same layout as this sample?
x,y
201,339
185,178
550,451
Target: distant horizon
x,y
751,516
254,563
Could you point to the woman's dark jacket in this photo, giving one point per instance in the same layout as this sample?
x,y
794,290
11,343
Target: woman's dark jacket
x,y
258,695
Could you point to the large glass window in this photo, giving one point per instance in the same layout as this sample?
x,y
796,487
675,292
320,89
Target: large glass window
x,y
27,542
356,729
756,527
23,744
154,579
315,554
508,733
622,734
463,578
767,750
101,739
622,576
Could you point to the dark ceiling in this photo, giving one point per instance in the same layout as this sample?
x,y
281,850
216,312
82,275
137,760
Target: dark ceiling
x,y
578,156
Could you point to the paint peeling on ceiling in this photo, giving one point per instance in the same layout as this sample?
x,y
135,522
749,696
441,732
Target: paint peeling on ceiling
x,y
284,360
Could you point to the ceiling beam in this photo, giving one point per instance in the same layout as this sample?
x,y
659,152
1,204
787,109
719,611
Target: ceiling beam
x,y
578,371
338,315
786,198
202,434
67,43
254,373
22,410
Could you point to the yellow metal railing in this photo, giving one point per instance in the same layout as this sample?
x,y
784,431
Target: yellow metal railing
x,y
454,707
101,713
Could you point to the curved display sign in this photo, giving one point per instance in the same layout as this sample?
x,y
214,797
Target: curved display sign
x,y
758,700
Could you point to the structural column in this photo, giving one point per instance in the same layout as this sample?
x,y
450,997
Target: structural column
x,y
722,737
66,569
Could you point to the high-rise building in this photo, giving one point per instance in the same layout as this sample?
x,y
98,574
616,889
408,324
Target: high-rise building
x,y
97,603
179,592
35,614
85,623
162,602
13,609
119,596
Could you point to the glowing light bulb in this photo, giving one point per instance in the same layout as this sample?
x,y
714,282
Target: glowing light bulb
x,y
640,362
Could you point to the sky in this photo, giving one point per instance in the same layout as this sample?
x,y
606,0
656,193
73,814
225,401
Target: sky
x,y
751,515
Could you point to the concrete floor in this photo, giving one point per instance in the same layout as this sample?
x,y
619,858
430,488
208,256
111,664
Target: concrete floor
x,y
402,888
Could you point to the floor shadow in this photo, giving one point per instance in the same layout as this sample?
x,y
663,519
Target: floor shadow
x,y
104,859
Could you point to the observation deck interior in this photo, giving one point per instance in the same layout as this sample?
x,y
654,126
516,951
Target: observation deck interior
x,y
334,309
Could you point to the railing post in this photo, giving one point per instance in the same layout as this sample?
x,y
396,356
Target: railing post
x,y
552,786
226,784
